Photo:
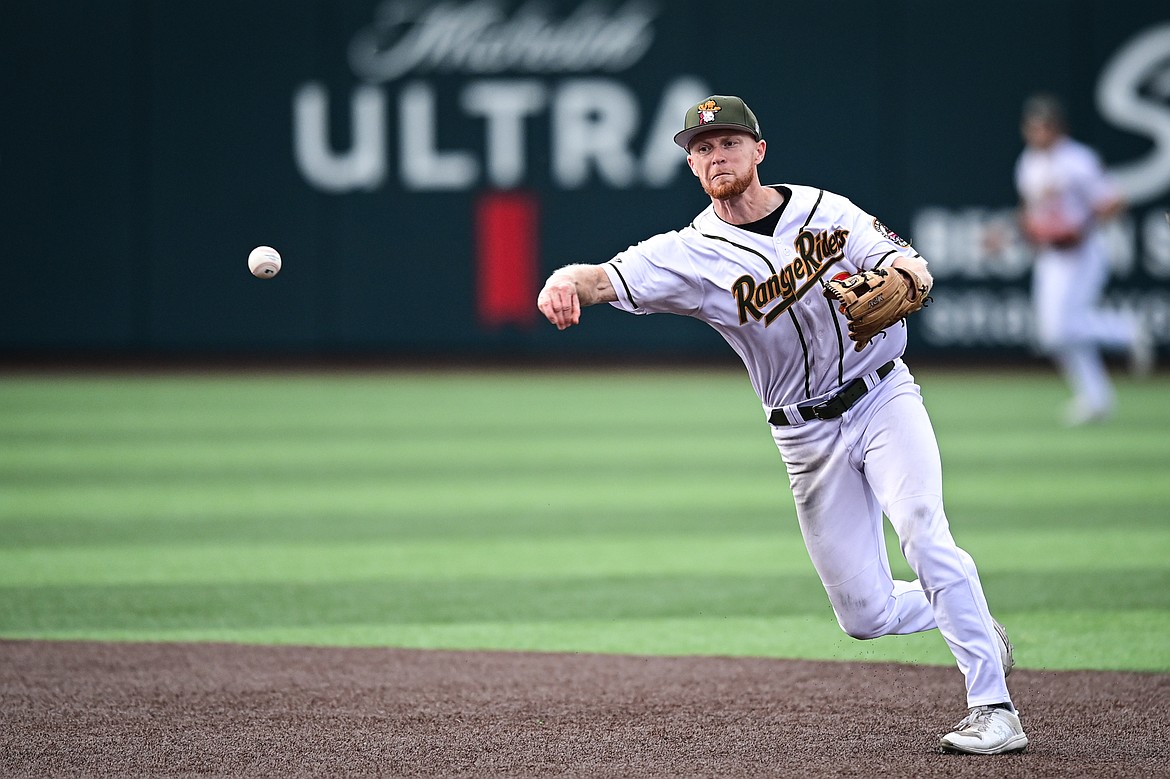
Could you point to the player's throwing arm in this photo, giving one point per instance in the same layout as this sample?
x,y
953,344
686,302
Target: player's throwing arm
x,y
570,289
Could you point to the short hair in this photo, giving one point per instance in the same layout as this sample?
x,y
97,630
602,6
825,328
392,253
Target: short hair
x,y
1045,108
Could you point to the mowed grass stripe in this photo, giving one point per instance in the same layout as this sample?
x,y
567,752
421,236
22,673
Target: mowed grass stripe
x,y
475,508
735,499
1030,553
569,598
1066,639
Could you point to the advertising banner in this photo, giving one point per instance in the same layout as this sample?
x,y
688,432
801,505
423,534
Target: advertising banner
x,y
423,166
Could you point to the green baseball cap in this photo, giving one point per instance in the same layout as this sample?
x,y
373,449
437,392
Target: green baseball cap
x,y
717,112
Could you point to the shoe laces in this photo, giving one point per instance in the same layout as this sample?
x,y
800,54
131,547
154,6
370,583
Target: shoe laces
x,y
977,719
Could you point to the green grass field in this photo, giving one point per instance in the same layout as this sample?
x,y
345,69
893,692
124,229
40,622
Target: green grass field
x,y
606,511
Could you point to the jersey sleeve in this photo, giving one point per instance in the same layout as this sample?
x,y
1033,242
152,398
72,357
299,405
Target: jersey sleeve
x,y
1095,183
872,244
655,276
1018,177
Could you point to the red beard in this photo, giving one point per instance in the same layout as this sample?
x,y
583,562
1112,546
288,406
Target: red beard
x,y
725,188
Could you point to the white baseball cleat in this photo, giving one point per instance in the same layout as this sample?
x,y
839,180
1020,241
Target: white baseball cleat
x,y
986,730
1006,650
1077,414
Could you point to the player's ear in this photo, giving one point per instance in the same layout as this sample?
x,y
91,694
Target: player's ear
x,y
761,150
691,165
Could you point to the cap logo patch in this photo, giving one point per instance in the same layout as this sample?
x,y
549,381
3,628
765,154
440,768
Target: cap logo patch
x,y
707,111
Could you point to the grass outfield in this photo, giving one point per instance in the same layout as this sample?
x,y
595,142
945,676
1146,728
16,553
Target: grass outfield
x,y
607,511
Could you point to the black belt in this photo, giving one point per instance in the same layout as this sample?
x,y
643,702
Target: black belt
x,y
834,406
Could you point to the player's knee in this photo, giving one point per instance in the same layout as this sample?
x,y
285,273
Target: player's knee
x,y
862,633
861,618
861,626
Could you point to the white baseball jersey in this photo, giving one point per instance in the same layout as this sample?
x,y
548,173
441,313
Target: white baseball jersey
x,y
1063,183
764,293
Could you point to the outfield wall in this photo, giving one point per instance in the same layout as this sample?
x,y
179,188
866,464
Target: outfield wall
x,y
422,166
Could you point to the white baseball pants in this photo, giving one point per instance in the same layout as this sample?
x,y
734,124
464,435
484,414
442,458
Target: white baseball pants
x,y
845,473
1066,289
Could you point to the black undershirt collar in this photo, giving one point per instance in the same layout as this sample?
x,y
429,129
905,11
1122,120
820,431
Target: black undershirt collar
x,y
767,225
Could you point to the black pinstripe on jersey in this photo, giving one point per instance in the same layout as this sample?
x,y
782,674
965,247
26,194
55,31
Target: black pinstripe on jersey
x,y
625,284
840,345
749,249
804,350
829,303
816,205
803,343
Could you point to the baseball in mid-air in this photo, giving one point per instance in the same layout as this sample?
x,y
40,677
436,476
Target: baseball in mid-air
x,y
264,262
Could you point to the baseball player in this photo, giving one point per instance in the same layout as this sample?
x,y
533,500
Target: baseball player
x,y
1064,195
811,291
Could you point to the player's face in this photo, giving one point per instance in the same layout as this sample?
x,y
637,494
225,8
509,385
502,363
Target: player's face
x,y
725,162
1039,133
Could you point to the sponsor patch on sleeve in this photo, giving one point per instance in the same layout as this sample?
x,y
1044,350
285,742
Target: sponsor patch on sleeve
x,y
889,234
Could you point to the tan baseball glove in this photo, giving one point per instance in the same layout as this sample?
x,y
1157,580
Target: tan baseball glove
x,y
875,299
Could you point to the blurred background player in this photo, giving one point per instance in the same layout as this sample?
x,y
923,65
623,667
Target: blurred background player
x,y
1065,195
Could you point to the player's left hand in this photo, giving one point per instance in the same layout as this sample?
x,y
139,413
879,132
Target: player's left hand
x,y
875,299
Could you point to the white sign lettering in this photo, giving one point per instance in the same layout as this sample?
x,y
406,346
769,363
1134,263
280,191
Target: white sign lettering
x,y
364,165
1005,317
595,127
984,243
1133,93
505,105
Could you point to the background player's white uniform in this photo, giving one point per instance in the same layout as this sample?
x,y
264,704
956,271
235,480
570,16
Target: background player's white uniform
x,y
764,295
1064,185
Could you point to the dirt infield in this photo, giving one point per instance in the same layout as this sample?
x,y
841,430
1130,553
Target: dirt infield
x,y
94,709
